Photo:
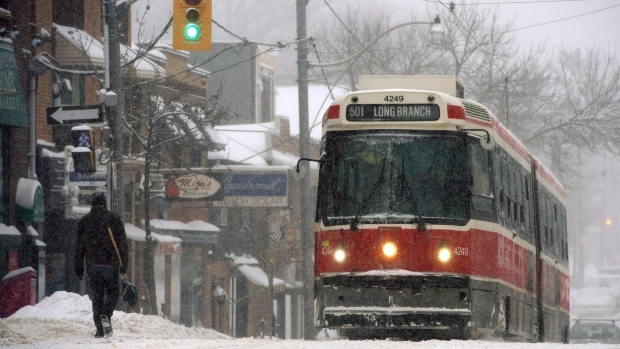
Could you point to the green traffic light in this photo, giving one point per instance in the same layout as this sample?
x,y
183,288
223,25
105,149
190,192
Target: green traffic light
x,y
192,32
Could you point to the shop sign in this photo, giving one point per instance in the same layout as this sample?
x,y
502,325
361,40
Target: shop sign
x,y
168,248
194,186
12,107
255,190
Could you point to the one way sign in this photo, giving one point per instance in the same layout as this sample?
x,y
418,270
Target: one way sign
x,y
74,114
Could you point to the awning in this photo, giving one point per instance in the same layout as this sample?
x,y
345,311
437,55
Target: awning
x,y
198,232
166,244
258,277
12,108
248,266
29,203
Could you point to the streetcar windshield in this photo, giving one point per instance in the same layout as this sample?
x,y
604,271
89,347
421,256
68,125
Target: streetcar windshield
x,y
395,177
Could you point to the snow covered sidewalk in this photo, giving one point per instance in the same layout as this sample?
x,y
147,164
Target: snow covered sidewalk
x,y
67,317
64,321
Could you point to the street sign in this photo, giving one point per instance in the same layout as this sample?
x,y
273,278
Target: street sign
x,y
94,179
74,114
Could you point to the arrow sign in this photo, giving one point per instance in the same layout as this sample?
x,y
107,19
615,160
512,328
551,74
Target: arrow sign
x,y
74,114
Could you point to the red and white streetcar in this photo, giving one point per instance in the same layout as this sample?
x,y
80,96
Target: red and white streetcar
x,y
434,221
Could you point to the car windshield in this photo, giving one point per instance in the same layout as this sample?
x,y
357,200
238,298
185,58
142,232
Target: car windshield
x,y
595,331
396,177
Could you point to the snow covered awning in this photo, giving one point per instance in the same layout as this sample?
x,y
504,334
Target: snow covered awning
x,y
166,244
30,205
198,232
248,266
258,277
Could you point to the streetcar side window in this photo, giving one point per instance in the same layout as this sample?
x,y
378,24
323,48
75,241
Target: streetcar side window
x,y
481,189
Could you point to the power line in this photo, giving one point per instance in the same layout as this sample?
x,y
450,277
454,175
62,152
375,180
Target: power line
x,y
564,19
511,2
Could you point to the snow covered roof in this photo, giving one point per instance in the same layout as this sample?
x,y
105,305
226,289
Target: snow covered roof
x,y
17,272
145,68
25,192
134,233
169,225
203,226
10,230
166,238
246,144
30,230
319,99
239,260
258,277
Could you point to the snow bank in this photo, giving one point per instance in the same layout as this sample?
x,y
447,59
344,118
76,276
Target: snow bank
x,y
67,316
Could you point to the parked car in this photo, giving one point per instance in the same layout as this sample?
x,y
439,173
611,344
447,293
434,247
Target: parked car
x,y
593,302
594,331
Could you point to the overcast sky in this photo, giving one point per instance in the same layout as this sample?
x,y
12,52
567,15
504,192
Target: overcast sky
x,y
573,23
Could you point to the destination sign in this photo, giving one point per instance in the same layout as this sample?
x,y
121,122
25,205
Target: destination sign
x,y
392,112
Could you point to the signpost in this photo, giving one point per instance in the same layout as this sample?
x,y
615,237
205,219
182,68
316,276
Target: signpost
x,y
74,114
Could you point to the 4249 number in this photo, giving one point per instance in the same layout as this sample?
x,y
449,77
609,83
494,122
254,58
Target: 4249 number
x,y
394,99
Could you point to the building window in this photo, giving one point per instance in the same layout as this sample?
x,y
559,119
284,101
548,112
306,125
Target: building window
x,y
266,94
76,95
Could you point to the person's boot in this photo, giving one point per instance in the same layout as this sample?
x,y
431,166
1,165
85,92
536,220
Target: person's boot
x,y
107,326
99,333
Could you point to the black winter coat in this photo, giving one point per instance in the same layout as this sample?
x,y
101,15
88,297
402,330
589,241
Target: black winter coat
x,y
93,242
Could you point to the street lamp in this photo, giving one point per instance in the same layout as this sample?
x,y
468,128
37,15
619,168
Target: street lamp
x,y
436,31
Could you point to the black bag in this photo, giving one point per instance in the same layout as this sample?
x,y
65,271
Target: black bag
x,y
129,293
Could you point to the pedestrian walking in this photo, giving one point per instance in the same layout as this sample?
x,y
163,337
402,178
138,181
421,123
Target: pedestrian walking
x,y
101,244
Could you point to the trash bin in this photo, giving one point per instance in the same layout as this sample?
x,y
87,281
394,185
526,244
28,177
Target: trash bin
x,y
19,289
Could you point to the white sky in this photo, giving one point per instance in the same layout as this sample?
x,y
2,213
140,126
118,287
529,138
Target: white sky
x,y
64,320
595,21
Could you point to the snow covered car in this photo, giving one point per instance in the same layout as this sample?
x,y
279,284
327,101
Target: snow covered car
x,y
593,302
594,331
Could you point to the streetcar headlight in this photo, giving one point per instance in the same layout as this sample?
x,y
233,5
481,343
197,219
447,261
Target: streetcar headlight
x,y
389,249
339,255
444,254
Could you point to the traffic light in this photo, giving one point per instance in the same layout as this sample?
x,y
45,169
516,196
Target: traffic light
x,y
83,153
191,25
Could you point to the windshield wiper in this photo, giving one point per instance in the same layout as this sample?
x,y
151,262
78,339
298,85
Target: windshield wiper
x,y
409,193
365,203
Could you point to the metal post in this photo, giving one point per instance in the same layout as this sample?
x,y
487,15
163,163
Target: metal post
x,y
115,114
32,134
307,234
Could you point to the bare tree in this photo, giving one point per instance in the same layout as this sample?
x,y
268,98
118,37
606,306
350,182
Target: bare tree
x,y
582,116
168,129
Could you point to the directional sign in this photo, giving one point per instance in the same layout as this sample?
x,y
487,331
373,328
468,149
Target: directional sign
x,y
74,114
94,179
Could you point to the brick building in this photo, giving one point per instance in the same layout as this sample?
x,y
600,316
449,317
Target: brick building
x,y
217,266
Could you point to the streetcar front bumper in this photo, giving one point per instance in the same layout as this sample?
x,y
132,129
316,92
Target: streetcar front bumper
x,y
398,317
374,306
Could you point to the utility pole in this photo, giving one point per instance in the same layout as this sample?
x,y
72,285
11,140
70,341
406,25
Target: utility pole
x,y
307,234
115,113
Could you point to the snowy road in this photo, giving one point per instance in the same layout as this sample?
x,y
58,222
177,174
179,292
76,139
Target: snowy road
x,y
64,321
